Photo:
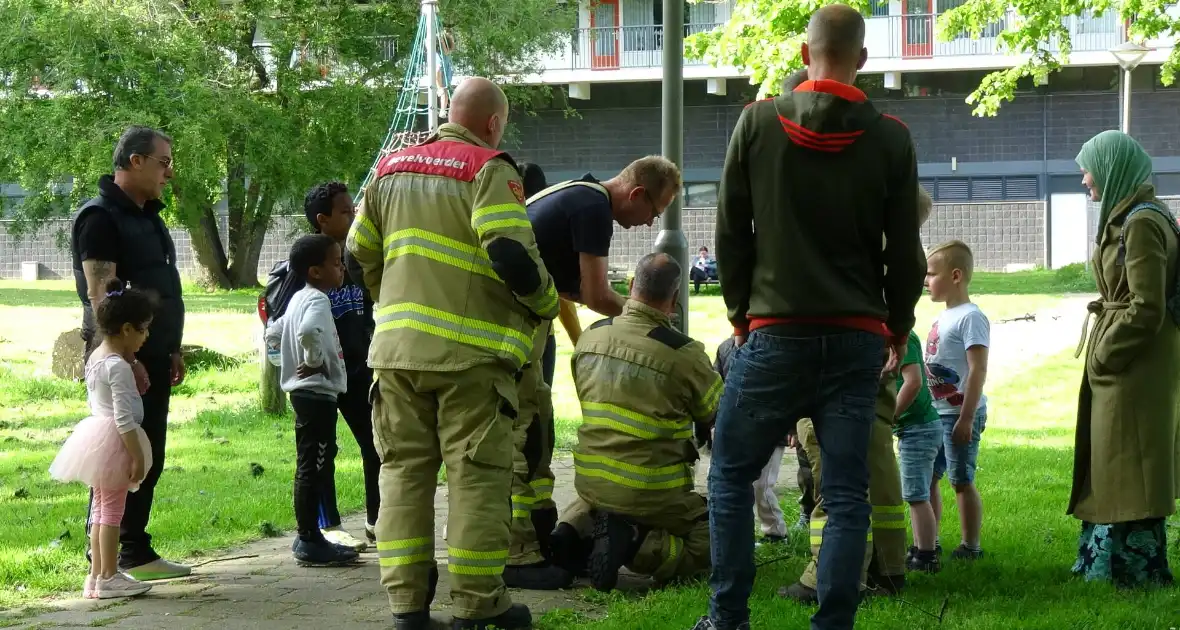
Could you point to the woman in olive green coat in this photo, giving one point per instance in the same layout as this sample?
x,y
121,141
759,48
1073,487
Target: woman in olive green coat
x,y
1126,466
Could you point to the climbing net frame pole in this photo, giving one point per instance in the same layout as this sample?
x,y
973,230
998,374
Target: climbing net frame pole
x,y
430,15
429,58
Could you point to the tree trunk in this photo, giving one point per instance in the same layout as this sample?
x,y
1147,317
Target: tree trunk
x,y
247,237
206,240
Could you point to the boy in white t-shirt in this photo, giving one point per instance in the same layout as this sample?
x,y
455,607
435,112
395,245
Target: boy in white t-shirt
x,y
956,367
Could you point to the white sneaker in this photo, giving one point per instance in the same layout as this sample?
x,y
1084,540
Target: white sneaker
x,y
88,587
344,539
119,585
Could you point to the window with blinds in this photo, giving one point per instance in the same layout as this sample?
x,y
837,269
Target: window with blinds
x,y
982,189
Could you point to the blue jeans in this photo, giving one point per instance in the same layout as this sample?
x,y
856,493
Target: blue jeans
x,y
918,446
959,460
774,380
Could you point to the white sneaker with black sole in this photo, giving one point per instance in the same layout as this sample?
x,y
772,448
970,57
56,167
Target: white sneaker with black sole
x,y
338,536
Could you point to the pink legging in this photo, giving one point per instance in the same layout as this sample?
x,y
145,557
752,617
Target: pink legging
x,y
107,507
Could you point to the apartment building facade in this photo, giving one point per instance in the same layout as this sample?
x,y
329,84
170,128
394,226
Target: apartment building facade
x,y
1006,184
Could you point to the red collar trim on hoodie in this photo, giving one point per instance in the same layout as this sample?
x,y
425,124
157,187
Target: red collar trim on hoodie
x,y
835,88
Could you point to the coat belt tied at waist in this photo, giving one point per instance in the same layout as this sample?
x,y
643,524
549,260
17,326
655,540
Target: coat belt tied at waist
x,y
1097,307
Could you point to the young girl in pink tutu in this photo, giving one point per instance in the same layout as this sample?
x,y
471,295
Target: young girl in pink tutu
x,y
108,451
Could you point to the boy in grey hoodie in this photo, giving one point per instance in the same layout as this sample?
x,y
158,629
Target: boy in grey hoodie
x,y
312,372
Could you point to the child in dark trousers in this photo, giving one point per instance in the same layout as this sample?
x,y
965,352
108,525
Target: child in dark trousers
x,y
312,371
330,211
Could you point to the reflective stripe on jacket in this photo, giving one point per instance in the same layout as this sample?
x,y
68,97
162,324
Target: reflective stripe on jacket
x,y
641,385
445,245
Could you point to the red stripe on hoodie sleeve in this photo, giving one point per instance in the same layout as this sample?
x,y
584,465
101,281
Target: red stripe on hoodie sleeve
x,y
899,121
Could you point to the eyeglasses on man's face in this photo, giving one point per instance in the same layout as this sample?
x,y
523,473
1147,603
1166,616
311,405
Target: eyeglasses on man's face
x,y
166,162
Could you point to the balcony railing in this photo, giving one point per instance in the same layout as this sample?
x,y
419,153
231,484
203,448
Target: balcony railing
x,y
915,37
613,48
887,37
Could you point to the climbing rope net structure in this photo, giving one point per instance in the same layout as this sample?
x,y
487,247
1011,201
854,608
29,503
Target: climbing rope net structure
x,y
425,91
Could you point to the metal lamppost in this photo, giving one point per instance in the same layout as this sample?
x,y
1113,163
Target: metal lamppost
x,y
1128,54
671,239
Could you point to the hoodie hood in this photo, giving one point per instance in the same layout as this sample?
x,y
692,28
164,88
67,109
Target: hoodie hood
x,y
824,115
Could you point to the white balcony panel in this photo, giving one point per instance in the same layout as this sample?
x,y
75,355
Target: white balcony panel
x,y
896,43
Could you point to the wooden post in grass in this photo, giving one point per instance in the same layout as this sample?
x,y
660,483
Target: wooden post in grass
x,y
270,394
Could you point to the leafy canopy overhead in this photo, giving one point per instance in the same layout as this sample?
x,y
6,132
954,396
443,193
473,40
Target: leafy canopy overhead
x,y
263,98
764,36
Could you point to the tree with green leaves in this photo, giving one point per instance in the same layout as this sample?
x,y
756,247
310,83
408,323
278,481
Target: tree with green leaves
x,y
263,98
763,38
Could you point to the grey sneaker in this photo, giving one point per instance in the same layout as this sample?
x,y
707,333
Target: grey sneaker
x,y
119,585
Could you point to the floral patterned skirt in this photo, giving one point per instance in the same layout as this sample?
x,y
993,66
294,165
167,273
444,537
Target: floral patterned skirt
x,y
1128,554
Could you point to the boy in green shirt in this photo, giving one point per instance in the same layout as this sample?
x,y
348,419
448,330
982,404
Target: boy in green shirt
x,y
919,434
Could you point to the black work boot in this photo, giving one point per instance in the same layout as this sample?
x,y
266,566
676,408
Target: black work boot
x,y
614,546
570,551
800,593
542,576
419,619
517,617
543,523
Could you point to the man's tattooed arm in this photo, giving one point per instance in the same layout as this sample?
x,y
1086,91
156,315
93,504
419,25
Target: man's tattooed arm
x,y
98,273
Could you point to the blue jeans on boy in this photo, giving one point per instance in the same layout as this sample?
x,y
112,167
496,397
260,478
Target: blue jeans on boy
x,y
959,460
918,446
775,379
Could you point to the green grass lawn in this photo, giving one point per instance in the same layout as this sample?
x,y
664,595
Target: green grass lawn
x,y
1024,582
210,497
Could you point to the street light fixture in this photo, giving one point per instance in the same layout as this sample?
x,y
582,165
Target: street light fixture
x,y
1129,55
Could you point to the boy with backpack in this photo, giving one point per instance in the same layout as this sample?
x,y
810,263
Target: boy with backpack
x,y
330,211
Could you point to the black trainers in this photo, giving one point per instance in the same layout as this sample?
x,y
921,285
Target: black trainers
x,y
419,620
963,553
924,561
704,623
517,617
771,539
542,576
613,539
570,551
800,593
322,553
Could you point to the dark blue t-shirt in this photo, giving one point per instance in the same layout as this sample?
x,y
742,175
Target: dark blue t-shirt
x,y
572,221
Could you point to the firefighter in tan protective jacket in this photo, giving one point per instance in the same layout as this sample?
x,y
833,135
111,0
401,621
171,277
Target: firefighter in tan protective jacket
x,y
642,386
449,257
